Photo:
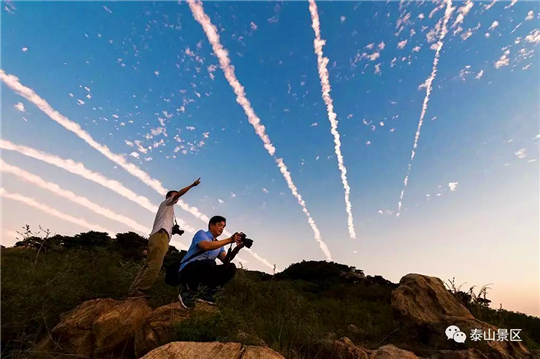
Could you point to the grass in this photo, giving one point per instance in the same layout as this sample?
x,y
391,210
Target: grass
x,y
292,312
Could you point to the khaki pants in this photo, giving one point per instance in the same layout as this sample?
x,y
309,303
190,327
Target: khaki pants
x,y
158,245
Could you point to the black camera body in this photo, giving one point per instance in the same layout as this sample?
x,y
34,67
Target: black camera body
x,y
247,242
176,230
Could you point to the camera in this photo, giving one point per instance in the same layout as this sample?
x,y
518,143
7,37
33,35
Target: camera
x,y
247,242
176,230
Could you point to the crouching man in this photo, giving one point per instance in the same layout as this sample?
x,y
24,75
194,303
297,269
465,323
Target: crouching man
x,y
199,274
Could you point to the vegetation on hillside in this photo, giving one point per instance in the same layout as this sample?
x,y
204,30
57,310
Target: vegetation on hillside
x,y
292,311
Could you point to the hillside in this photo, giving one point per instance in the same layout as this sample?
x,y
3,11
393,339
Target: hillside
x,y
294,312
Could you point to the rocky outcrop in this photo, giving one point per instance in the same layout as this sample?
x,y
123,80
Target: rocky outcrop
x,y
425,309
345,349
213,350
459,354
97,328
391,352
158,328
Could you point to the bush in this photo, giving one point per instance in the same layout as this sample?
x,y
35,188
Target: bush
x,y
289,319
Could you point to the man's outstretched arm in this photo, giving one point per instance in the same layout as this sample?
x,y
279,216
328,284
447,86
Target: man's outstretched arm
x,y
184,190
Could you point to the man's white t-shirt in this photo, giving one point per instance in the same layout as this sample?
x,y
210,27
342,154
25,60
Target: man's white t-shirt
x,y
165,216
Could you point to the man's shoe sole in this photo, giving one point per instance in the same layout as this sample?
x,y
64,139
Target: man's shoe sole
x,y
205,301
182,302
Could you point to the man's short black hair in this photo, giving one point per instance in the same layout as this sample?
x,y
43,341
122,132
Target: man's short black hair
x,y
170,193
216,219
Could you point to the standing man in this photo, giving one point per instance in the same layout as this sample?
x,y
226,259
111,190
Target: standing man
x,y
158,244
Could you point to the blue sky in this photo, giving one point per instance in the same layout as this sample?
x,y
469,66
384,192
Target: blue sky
x,y
142,79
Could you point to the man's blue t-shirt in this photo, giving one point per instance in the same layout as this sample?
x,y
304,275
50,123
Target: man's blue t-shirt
x,y
194,248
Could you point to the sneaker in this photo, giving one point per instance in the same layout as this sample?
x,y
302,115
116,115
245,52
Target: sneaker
x,y
207,295
186,298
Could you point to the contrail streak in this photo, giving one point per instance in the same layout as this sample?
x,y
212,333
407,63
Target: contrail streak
x,y
26,92
79,169
83,201
53,212
428,84
228,70
13,82
322,63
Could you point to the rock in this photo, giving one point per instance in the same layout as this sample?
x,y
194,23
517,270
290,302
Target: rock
x,y
97,328
257,352
460,354
391,352
158,328
115,329
423,300
213,350
345,349
425,308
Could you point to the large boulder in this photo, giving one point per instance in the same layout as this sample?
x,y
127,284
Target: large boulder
x,y
346,349
391,352
97,328
159,327
459,354
425,309
213,350
422,300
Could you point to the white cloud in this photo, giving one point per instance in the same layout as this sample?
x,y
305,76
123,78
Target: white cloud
x,y
314,124
453,186
156,73
511,4
533,37
503,61
530,15
463,11
402,44
382,45
421,16
264,190
480,74
221,201
107,9
377,69
134,154
342,19
469,32
489,6
521,154
253,26
20,106
416,49
494,25
24,49
80,102
233,195
368,143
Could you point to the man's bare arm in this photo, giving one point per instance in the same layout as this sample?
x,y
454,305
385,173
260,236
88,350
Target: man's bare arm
x,y
184,190
209,246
